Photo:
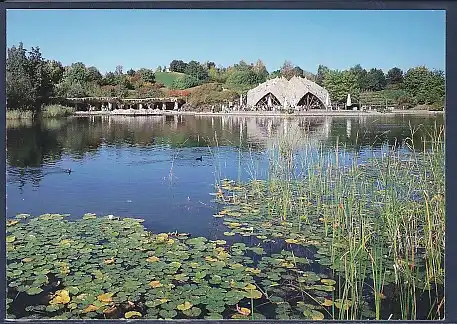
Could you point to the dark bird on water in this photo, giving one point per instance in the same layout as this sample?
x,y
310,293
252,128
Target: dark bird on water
x,y
199,158
68,171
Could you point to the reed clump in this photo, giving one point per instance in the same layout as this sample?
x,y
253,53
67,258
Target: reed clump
x,y
54,111
19,114
377,221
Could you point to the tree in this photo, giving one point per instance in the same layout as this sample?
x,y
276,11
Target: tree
x,y
287,70
18,83
426,87
110,79
119,70
72,89
436,85
341,83
42,86
80,81
361,75
242,66
394,76
298,71
147,75
56,71
376,80
131,72
195,69
159,69
274,74
210,65
242,80
28,79
93,75
76,73
185,82
261,71
178,66
321,74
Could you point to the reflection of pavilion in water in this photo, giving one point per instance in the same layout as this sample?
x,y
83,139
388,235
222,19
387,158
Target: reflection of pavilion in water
x,y
264,129
253,129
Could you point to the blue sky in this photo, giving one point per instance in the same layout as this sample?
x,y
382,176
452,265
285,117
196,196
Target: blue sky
x,y
148,38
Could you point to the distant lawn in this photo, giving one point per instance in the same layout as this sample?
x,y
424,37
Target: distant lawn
x,y
167,78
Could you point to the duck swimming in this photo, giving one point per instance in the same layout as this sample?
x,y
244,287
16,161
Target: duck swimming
x,y
199,158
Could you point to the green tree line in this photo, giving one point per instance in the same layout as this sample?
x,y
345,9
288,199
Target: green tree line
x,y
32,80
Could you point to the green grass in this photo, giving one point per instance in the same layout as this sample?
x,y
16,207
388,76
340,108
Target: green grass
x,y
167,78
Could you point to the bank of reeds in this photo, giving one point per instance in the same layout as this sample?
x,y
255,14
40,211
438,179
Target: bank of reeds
x,y
50,111
19,114
55,111
381,219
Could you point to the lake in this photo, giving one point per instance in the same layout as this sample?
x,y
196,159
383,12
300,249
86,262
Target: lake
x,y
147,167
226,217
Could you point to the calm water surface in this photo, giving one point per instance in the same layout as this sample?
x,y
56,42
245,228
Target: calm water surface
x,y
147,167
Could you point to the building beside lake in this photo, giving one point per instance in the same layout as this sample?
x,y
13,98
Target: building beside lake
x,y
282,94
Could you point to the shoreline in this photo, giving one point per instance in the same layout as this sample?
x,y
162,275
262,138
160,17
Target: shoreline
x,y
344,113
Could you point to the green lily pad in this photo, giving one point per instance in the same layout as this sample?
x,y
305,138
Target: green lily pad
x,y
132,314
10,238
34,291
328,282
254,294
193,312
168,314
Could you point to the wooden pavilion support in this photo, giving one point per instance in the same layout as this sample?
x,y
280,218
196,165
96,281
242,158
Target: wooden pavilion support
x,y
113,103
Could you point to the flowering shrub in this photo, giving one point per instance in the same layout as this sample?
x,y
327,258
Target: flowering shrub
x,y
178,93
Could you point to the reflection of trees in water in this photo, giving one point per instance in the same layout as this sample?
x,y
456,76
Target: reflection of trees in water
x,y
28,148
37,144
32,146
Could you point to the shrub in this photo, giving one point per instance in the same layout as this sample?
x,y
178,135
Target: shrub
x,y
185,82
178,93
210,94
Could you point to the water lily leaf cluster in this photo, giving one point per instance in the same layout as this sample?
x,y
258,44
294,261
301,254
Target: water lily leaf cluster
x,y
101,267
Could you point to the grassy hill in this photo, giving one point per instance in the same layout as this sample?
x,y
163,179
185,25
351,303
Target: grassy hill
x,y
167,78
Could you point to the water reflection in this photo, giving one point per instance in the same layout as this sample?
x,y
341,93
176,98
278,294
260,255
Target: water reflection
x,y
42,143
119,158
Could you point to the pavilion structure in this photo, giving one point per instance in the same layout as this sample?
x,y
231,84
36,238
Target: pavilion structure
x,y
297,93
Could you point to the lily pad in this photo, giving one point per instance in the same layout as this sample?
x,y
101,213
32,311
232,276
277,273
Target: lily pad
x,y
34,291
132,314
254,294
193,312
168,314
185,306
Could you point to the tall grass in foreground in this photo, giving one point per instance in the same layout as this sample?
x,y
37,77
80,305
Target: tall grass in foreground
x,y
381,219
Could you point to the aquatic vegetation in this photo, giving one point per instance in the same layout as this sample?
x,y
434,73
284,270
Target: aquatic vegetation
x,y
377,225
99,267
107,267
324,236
